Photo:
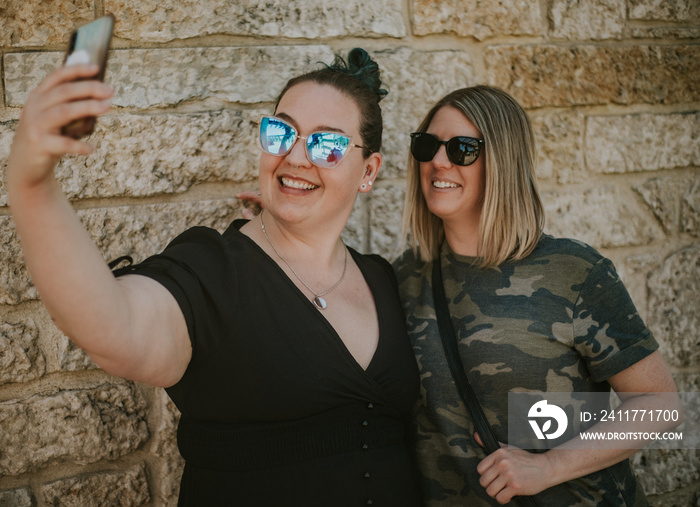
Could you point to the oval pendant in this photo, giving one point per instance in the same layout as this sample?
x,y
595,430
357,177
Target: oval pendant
x,y
320,303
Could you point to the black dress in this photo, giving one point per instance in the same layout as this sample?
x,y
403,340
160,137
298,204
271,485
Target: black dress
x,y
275,409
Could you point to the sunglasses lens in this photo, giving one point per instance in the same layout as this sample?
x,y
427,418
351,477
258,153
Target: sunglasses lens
x,y
326,149
462,150
424,146
276,136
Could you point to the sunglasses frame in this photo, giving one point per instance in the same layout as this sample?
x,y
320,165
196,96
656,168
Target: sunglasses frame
x,y
440,142
306,141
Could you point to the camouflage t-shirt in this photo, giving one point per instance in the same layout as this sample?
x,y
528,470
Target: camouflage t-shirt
x,y
559,321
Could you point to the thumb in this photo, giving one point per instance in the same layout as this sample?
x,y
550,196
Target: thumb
x,y
478,441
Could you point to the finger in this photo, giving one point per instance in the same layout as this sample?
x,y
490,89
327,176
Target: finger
x,y
249,195
496,487
478,441
485,464
63,114
68,73
60,145
487,476
74,91
505,495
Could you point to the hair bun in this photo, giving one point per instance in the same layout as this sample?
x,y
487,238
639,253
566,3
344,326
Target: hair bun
x,y
361,66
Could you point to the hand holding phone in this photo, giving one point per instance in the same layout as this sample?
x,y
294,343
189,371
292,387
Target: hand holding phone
x,y
89,44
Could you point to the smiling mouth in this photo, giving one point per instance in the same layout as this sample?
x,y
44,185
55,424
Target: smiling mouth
x,y
298,185
445,184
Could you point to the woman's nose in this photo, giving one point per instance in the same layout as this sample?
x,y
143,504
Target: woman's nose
x,y
440,160
297,156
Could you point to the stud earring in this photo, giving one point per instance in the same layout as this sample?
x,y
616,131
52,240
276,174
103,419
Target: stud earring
x,y
370,183
363,187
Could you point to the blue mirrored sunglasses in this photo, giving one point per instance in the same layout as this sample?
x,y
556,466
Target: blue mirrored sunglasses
x,y
323,149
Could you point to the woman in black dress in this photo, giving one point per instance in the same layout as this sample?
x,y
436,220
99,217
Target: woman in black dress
x,y
285,351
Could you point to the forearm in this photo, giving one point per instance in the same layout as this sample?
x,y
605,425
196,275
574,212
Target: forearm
x,y
579,457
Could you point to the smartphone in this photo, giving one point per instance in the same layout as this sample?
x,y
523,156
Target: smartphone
x,y
89,44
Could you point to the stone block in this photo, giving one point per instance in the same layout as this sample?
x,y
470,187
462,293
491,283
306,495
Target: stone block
x,y
642,142
413,92
163,21
633,271
149,155
21,357
593,19
138,231
14,279
674,300
675,200
164,445
670,472
24,71
160,77
144,78
385,221
7,132
21,497
126,487
481,20
560,76
72,358
663,470
78,427
141,156
602,216
689,497
665,32
664,10
559,139
38,23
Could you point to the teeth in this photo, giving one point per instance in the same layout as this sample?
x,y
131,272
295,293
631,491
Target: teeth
x,y
444,184
298,184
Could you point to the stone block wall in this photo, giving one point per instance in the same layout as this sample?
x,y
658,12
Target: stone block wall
x,y
612,87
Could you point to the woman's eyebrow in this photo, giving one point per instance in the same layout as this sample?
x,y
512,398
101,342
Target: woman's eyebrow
x,y
318,128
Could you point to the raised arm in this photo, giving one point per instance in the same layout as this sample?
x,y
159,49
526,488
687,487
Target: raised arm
x,y
131,327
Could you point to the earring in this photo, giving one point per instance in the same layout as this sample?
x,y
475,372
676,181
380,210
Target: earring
x,y
370,183
363,187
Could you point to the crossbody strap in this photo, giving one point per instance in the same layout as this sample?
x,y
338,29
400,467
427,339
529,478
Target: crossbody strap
x,y
449,344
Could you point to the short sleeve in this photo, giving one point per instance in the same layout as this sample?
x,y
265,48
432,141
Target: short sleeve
x,y
195,269
608,331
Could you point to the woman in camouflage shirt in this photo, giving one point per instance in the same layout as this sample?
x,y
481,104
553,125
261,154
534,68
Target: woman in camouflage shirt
x,y
532,313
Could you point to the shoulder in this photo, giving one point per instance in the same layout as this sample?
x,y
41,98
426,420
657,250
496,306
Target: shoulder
x,y
198,249
566,248
375,264
201,239
409,262
411,274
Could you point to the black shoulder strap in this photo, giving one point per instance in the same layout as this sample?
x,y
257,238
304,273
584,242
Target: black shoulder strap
x,y
449,344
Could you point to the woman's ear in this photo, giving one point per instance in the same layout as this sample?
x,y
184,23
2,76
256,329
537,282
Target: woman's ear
x,y
372,166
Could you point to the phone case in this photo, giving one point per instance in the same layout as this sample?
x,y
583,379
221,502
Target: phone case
x,y
89,44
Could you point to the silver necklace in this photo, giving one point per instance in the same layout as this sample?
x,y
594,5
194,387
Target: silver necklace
x,y
318,301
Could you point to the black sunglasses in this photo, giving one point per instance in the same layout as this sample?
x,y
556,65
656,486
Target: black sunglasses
x,y
461,150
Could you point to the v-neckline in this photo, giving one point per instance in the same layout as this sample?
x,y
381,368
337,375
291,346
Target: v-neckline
x,y
318,313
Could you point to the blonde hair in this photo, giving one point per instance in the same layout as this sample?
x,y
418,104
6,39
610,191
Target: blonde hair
x,y
512,216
